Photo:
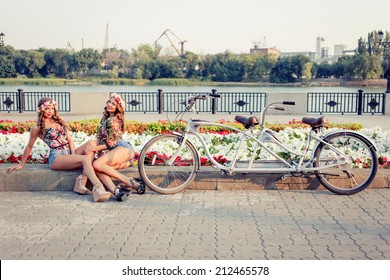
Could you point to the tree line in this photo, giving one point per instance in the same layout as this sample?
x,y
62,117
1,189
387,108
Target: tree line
x,y
370,61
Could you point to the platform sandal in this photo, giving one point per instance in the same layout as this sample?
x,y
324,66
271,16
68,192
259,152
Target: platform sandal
x,y
141,187
120,194
137,189
80,185
99,194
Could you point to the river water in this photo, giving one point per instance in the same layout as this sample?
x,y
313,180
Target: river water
x,y
110,88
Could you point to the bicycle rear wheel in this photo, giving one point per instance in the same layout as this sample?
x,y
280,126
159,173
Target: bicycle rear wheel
x,y
158,174
346,178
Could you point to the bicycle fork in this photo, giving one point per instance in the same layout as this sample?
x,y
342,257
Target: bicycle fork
x,y
181,141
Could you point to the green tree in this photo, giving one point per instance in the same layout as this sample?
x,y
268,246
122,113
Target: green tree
x,y
87,61
192,65
224,67
291,69
257,66
56,63
7,64
143,53
307,72
29,63
324,70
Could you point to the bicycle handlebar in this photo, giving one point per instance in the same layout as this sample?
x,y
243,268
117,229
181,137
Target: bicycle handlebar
x,y
191,100
288,102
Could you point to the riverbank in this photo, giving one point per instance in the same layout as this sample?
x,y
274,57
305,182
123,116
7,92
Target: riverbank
x,y
188,82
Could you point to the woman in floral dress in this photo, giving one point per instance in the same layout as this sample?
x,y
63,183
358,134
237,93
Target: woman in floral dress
x,y
112,151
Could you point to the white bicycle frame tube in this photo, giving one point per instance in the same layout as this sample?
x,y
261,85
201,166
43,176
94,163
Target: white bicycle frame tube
x,y
289,167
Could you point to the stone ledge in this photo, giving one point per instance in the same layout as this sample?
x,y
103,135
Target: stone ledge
x,y
39,177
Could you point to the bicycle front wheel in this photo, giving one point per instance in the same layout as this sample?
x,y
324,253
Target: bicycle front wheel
x,y
358,162
163,173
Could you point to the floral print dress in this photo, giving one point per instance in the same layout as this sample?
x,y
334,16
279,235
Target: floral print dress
x,y
56,139
109,133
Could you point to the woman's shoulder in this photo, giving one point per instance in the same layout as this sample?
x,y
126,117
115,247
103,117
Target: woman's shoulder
x,y
35,130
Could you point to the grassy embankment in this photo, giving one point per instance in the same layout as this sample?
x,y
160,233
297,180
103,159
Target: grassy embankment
x,y
102,81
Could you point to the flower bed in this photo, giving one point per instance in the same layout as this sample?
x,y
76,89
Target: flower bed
x,y
14,137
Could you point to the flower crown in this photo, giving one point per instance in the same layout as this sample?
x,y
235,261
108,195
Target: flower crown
x,y
118,99
44,105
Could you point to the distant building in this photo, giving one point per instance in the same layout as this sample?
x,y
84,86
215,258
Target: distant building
x,y
339,50
265,51
319,48
319,56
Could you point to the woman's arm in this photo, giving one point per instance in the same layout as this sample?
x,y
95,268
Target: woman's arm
x,y
27,150
93,149
109,133
71,142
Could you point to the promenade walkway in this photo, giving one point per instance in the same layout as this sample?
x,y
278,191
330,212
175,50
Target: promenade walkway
x,y
197,225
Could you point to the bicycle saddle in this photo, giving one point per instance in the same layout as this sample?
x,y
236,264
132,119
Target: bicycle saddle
x,y
247,122
315,122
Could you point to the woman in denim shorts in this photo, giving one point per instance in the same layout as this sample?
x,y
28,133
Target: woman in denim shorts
x,y
53,130
112,151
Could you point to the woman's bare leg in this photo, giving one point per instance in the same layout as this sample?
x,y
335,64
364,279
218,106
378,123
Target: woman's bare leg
x,y
107,182
117,158
70,162
80,185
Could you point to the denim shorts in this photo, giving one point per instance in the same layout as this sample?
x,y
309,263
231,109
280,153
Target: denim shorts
x,y
55,153
122,143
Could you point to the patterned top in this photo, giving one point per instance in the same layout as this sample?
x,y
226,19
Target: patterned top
x,y
109,133
56,139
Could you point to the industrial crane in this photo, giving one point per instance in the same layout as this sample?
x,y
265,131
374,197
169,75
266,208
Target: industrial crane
x,y
181,42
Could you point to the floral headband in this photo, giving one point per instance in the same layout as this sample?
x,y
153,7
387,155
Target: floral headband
x,y
118,99
44,105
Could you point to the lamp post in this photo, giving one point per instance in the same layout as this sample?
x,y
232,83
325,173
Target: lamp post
x,y
2,39
386,46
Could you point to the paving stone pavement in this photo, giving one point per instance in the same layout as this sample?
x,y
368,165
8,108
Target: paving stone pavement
x,y
197,225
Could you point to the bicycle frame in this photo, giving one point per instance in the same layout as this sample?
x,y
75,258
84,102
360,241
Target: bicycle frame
x,y
288,167
282,166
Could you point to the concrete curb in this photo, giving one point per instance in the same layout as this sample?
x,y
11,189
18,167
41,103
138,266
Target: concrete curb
x,y
38,177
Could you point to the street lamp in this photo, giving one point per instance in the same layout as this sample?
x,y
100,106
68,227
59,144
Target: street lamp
x,y
386,46
2,39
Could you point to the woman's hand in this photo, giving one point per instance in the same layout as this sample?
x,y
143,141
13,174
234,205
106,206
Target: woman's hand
x,y
15,167
89,149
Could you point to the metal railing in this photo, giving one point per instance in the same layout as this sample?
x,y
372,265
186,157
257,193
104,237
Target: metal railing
x,y
141,101
9,101
21,101
231,102
31,99
242,102
160,102
346,103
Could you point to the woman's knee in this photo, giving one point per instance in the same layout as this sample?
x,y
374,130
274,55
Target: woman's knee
x,y
97,165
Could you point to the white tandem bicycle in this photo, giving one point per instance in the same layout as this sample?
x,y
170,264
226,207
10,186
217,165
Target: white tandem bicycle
x,y
345,162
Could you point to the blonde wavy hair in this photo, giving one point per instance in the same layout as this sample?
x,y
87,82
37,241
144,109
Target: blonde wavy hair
x,y
41,120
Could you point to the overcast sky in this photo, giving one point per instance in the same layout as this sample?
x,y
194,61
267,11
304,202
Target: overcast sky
x,y
208,26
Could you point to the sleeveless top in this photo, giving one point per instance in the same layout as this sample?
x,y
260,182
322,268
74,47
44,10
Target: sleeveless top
x,y
56,139
109,132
